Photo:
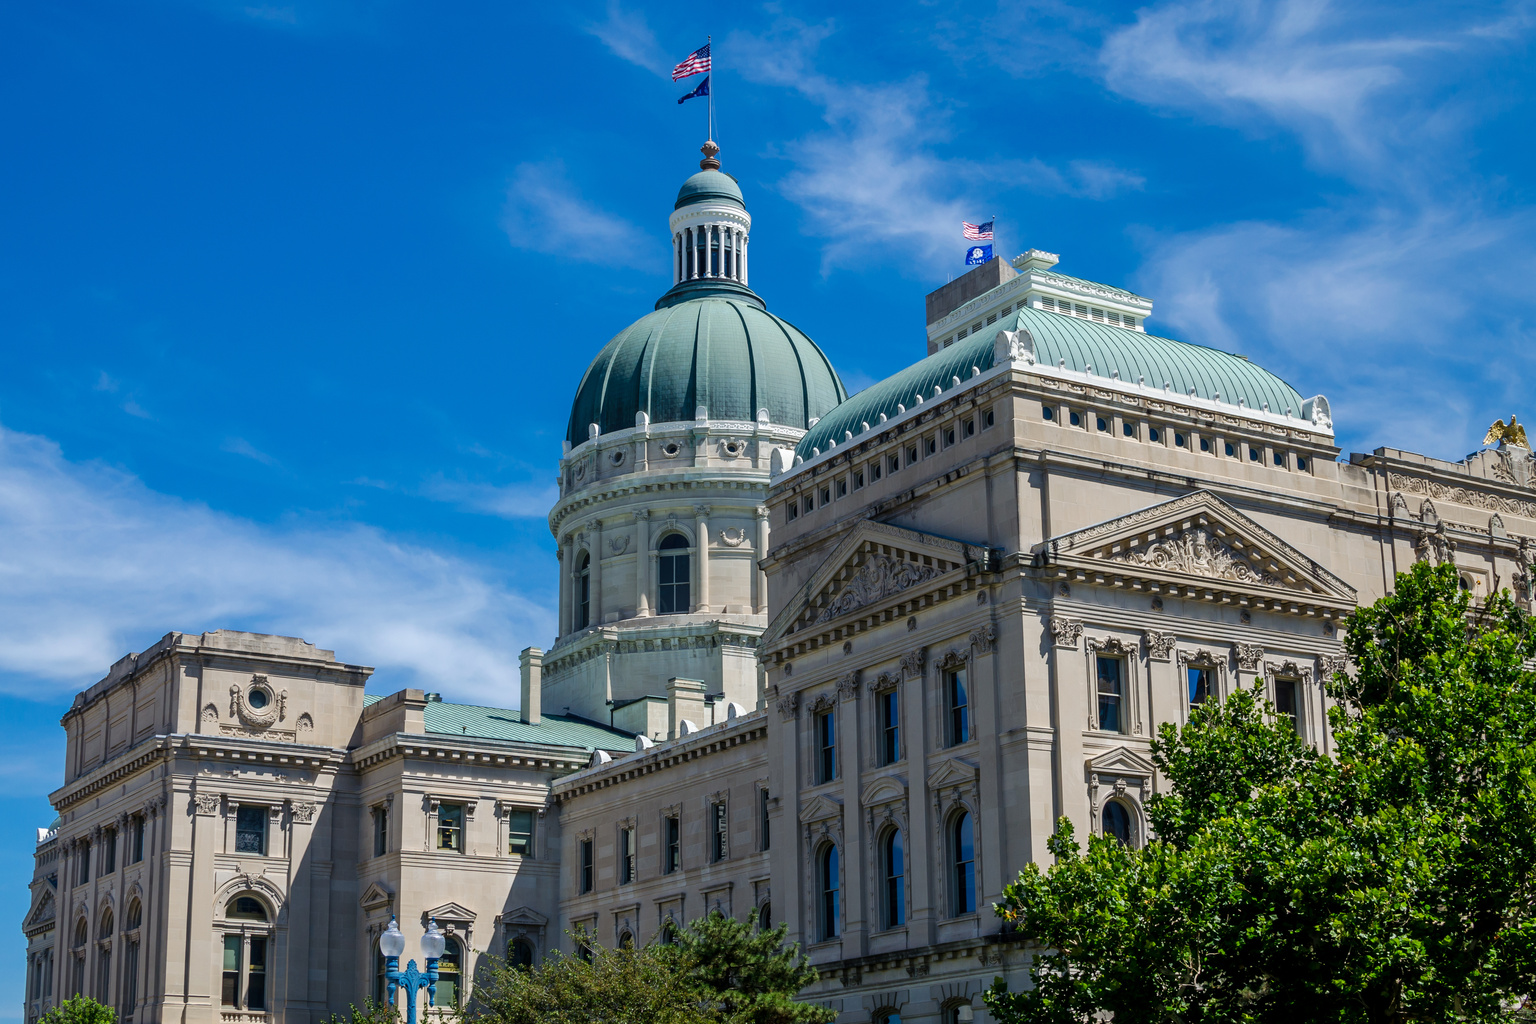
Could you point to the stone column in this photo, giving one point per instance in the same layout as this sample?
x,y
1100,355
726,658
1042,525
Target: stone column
x,y
595,550
759,578
701,532
565,585
744,258
643,563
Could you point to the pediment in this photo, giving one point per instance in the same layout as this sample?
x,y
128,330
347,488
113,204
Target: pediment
x,y
820,808
1197,543
953,772
873,565
43,915
884,790
452,912
376,896
1120,761
524,917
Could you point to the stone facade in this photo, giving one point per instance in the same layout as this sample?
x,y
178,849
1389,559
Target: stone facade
x,y
906,651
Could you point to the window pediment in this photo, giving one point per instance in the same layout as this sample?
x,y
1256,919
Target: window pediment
x,y
884,790
820,808
953,772
1120,761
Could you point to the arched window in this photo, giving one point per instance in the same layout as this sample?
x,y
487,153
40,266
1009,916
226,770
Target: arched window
x,y
134,917
520,952
887,1017
105,931
626,940
1117,822
962,856
765,916
584,591
893,911
828,886
82,934
450,968
245,908
672,597
668,932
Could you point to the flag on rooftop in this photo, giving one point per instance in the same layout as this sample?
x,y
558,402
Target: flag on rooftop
x,y
977,232
702,90
696,63
976,255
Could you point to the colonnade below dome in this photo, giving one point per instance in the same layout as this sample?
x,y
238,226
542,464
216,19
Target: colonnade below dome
x,y
710,251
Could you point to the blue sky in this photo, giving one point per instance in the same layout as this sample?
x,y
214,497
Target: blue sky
x,y
293,296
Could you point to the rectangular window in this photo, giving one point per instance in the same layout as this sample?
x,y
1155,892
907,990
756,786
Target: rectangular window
x,y
890,727
380,831
826,495
1199,685
842,487
826,747
930,445
968,428
1285,699
129,996
792,511
626,856
858,479
1111,691
671,858
450,827
987,420
229,991
949,436
85,864
874,471
520,833
585,868
991,319
109,851
256,976
911,454
762,812
136,839
251,830
893,463
959,706
720,832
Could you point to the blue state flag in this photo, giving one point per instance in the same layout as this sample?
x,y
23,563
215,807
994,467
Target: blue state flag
x,y
702,90
976,255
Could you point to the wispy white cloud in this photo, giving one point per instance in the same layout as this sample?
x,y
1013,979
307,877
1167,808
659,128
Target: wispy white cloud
x,y
508,501
94,563
875,180
240,446
545,211
629,37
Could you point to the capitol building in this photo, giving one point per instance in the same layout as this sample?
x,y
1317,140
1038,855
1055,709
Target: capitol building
x,y
838,662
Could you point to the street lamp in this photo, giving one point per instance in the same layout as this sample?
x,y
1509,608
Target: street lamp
x,y
392,944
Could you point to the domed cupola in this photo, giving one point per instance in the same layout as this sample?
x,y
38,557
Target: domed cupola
x,y
710,349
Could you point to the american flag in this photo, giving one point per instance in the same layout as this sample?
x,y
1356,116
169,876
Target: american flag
x,y
696,64
977,232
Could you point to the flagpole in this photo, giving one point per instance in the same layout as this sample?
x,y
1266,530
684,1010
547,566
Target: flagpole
x,y
709,42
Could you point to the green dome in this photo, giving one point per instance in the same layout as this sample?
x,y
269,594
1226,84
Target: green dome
x,y
724,352
709,186
1080,343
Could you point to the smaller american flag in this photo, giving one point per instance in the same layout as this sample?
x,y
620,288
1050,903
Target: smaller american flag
x,y
696,64
977,232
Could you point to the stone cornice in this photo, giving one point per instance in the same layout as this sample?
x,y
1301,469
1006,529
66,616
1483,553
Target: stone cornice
x,y
651,633
660,482
482,751
747,728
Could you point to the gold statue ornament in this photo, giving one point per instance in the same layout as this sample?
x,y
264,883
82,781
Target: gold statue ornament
x,y
1514,434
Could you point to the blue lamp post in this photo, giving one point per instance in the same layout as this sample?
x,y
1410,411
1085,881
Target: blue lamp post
x,y
392,944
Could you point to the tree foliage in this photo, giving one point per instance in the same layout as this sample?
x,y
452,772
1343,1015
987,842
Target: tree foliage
x,y
79,1010
717,971
1391,881
370,1013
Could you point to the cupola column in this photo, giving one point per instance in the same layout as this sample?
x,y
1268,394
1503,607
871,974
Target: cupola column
x,y
595,573
760,578
701,531
642,563
563,554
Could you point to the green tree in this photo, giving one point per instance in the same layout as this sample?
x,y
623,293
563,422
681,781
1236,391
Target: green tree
x,y
371,1013
615,986
747,973
1390,882
79,1010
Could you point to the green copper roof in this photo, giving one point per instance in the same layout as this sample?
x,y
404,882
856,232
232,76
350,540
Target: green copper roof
x,y
503,724
709,186
723,351
1081,343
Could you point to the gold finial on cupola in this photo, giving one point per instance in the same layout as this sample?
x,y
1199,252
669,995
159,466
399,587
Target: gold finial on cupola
x,y
1513,434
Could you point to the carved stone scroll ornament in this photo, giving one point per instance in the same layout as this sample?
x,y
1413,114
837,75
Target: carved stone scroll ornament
x,y
821,702
304,812
789,706
984,639
733,537
1332,665
954,659
206,803
240,707
1111,645
848,685
879,577
1066,632
1197,553
913,661
885,681
1159,645
1461,496
1248,656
